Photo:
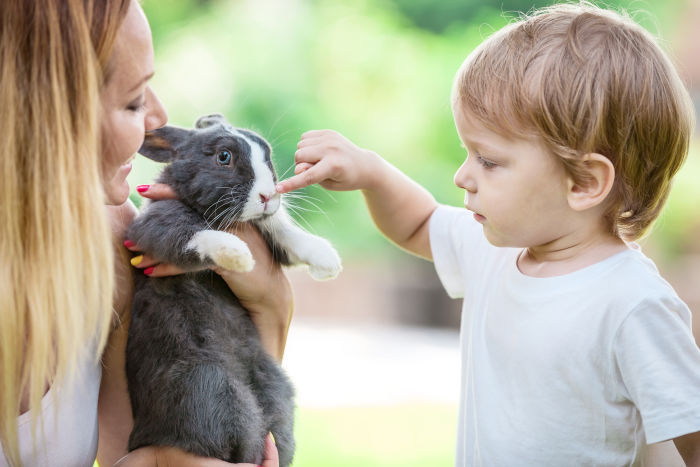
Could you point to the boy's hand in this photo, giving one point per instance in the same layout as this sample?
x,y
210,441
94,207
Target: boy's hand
x,y
328,158
399,206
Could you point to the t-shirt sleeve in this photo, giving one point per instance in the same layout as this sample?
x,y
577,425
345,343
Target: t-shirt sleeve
x,y
660,367
453,241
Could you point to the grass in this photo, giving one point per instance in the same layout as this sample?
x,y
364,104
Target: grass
x,y
403,435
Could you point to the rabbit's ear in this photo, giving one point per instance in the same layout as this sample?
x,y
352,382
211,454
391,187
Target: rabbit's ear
x,y
162,145
209,120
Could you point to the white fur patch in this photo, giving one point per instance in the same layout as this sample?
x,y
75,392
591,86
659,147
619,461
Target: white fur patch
x,y
263,184
303,247
224,249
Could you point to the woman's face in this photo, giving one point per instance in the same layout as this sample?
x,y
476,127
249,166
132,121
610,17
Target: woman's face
x,y
129,105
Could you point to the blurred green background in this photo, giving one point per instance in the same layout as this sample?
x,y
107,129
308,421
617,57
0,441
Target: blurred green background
x,y
380,72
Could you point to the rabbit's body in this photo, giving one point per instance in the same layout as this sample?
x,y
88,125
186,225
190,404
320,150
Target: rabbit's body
x,y
203,382
198,376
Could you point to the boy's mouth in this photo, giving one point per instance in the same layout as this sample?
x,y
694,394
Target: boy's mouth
x,y
479,217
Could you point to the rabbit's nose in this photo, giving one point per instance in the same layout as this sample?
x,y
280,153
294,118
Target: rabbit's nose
x,y
270,201
266,198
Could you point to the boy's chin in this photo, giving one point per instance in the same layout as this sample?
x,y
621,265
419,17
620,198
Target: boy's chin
x,y
495,240
499,240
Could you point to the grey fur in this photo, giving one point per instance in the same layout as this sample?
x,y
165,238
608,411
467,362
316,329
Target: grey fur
x,y
198,376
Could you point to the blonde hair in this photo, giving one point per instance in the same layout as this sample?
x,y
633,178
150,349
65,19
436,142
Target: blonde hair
x,y
56,255
587,80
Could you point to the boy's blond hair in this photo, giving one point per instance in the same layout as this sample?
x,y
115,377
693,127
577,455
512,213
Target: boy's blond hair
x,y
586,80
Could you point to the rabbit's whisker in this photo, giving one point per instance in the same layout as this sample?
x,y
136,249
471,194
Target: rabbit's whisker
x,y
224,200
284,174
293,219
316,207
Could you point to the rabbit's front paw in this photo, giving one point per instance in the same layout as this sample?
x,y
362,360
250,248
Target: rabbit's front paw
x,y
224,249
234,259
324,262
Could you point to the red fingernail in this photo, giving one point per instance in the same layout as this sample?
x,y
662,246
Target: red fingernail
x,y
129,243
149,271
143,188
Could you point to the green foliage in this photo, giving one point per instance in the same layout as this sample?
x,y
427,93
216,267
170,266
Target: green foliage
x,y
445,14
440,16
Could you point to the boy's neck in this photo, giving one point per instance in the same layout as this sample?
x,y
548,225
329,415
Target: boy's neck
x,y
568,254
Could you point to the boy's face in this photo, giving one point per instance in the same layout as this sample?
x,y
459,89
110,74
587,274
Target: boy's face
x,y
515,187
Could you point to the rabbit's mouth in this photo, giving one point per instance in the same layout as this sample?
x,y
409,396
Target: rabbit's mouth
x,y
260,205
270,203
268,208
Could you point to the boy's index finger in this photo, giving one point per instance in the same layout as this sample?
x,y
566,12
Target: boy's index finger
x,y
290,184
304,179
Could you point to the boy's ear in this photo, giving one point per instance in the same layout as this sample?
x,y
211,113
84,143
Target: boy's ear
x,y
600,176
162,145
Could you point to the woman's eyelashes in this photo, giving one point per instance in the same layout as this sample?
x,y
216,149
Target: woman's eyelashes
x,y
137,105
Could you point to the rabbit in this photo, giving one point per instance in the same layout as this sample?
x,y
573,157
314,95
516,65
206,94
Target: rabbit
x,y
198,376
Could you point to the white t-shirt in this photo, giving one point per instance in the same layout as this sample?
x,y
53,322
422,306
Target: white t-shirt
x,y
69,436
580,369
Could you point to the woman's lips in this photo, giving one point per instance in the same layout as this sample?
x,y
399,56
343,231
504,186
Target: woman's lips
x,y
123,170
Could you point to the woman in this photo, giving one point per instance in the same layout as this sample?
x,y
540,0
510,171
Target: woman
x,y
75,104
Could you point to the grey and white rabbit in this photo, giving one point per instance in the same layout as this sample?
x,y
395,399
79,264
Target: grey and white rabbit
x,y
198,376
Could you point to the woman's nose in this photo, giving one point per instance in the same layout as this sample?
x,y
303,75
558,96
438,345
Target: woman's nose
x,y
156,116
463,178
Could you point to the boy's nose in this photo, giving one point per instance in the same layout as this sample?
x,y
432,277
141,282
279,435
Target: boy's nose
x,y
463,179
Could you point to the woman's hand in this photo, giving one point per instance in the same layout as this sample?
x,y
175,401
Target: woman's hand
x,y
265,291
146,263
162,456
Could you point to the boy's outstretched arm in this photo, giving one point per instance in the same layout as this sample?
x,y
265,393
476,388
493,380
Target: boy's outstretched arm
x,y
399,206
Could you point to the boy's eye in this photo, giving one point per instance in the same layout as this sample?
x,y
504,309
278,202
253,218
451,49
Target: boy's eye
x,y
224,157
487,164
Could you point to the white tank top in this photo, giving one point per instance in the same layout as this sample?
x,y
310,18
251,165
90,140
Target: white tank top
x,y
69,435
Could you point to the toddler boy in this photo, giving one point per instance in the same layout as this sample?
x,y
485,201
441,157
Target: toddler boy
x,y
575,351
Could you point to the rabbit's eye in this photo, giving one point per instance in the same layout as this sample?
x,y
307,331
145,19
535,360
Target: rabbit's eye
x,y
224,158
